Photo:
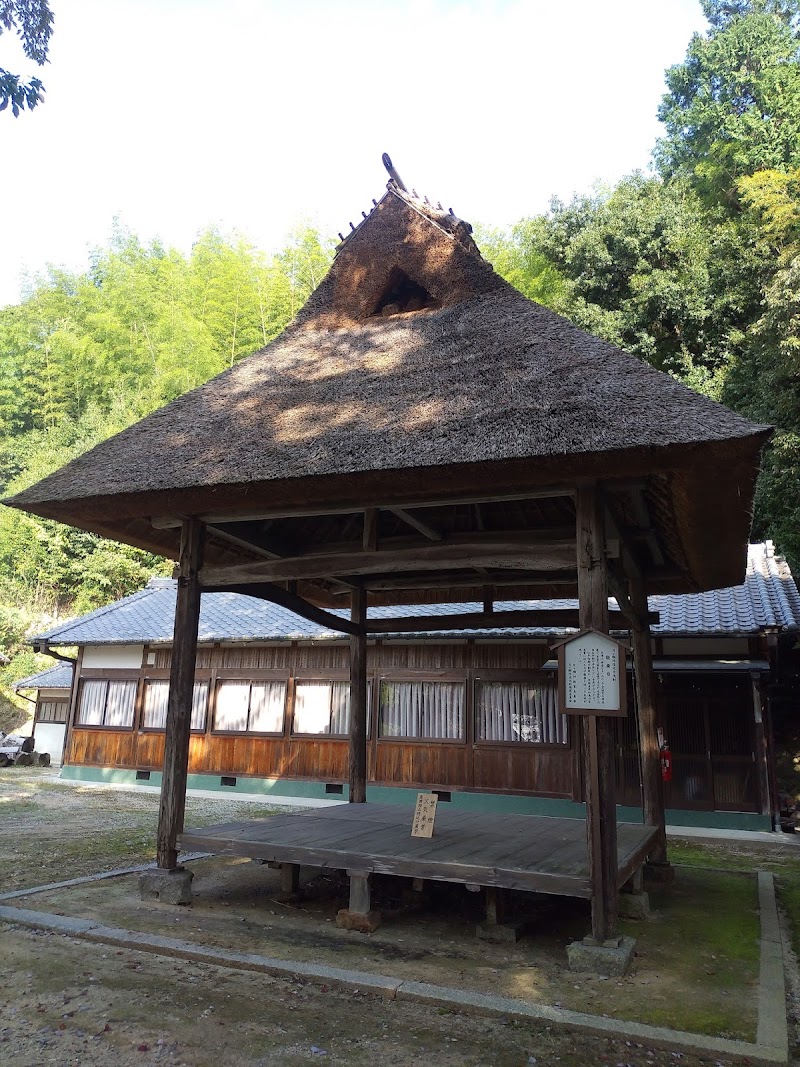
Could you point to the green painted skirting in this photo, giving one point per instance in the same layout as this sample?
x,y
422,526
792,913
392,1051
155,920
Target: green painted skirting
x,y
385,794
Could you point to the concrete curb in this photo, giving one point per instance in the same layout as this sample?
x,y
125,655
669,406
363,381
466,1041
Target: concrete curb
x,y
773,1031
118,873
772,1039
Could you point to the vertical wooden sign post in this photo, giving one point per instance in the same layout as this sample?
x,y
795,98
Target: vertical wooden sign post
x,y
358,700
597,730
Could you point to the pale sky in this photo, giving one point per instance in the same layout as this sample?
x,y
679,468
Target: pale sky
x,y
255,114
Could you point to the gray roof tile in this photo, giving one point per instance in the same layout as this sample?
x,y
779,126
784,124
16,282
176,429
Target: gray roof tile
x,y
58,677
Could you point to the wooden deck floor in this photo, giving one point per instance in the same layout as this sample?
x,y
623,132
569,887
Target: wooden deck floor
x,y
526,852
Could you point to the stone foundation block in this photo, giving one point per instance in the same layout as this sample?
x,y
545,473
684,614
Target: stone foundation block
x,y
168,887
499,933
363,922
610,958
634,906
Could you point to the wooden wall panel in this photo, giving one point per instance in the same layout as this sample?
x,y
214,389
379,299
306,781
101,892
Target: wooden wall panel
x,y
150,751
322,759
397,763
105,748
524,769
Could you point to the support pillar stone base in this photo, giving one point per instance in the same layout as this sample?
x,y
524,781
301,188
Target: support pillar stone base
x,y
609,958
634,905
363,922
506,933
167,886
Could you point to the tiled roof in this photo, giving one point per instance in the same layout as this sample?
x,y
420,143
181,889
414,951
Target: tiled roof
x,y
768,598
58,677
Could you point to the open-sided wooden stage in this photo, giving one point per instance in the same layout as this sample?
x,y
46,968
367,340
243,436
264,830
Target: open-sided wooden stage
x,y
527,852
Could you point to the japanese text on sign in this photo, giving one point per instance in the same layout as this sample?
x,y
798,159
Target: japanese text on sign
x,y
424,815
591,673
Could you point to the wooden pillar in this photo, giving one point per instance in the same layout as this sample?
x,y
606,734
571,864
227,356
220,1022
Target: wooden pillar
x,y
646,710
181,687
598,731
761,755
358,700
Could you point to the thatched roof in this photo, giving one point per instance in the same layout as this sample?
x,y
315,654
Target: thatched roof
x,y
415,370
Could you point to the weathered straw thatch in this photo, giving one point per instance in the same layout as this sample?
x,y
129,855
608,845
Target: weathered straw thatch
x,y
459,383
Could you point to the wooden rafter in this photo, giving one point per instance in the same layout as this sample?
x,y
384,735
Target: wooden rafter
x,y
292,602
416,524
558,618
508,553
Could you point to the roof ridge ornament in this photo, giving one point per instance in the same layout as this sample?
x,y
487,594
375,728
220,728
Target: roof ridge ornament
x,y
398,181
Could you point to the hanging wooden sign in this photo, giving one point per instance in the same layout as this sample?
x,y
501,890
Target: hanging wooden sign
x,y
424,815
592,675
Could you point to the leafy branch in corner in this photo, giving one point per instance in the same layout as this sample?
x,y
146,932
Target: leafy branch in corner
x,y
33,22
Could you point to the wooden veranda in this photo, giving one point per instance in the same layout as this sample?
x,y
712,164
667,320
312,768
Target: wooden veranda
x,y
422,433
527,852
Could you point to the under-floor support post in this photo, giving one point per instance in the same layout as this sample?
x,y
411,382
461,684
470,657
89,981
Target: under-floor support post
x,y
647,712
598,731
181,688
290,878
359,915
358,700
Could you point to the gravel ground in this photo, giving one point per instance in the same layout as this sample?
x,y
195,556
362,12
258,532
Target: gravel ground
x,y
67,1002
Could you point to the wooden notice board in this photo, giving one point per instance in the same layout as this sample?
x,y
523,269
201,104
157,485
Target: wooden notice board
x,y
592,675
424,815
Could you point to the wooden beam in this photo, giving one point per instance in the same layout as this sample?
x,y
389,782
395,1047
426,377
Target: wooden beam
x,y
558,618
181,688
446,581
647,712
168,522
240,542
598,731
369,541
292,602
358,699
509,553
416,524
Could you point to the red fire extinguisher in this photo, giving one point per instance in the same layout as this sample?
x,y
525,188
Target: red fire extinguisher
x,y
666,763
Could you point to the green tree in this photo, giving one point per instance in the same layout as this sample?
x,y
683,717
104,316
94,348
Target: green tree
x,y
517,257
733,106
32,20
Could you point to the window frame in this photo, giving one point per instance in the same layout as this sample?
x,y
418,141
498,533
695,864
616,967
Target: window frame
x,y
255,677
411,676
515,677
164,677
109,678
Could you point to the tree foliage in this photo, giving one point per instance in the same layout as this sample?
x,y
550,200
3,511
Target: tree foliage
x,y
32,20
733,106
85,355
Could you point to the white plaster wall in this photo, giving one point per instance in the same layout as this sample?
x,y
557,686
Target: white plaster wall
x,y
122,656
49,737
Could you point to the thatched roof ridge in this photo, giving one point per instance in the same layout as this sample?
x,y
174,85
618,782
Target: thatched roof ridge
x,y
492,378
414,372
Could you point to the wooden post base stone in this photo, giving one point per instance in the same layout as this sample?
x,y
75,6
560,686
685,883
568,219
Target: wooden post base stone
x,y
499,933
168,887
610,959
634,905
359,916
364,923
